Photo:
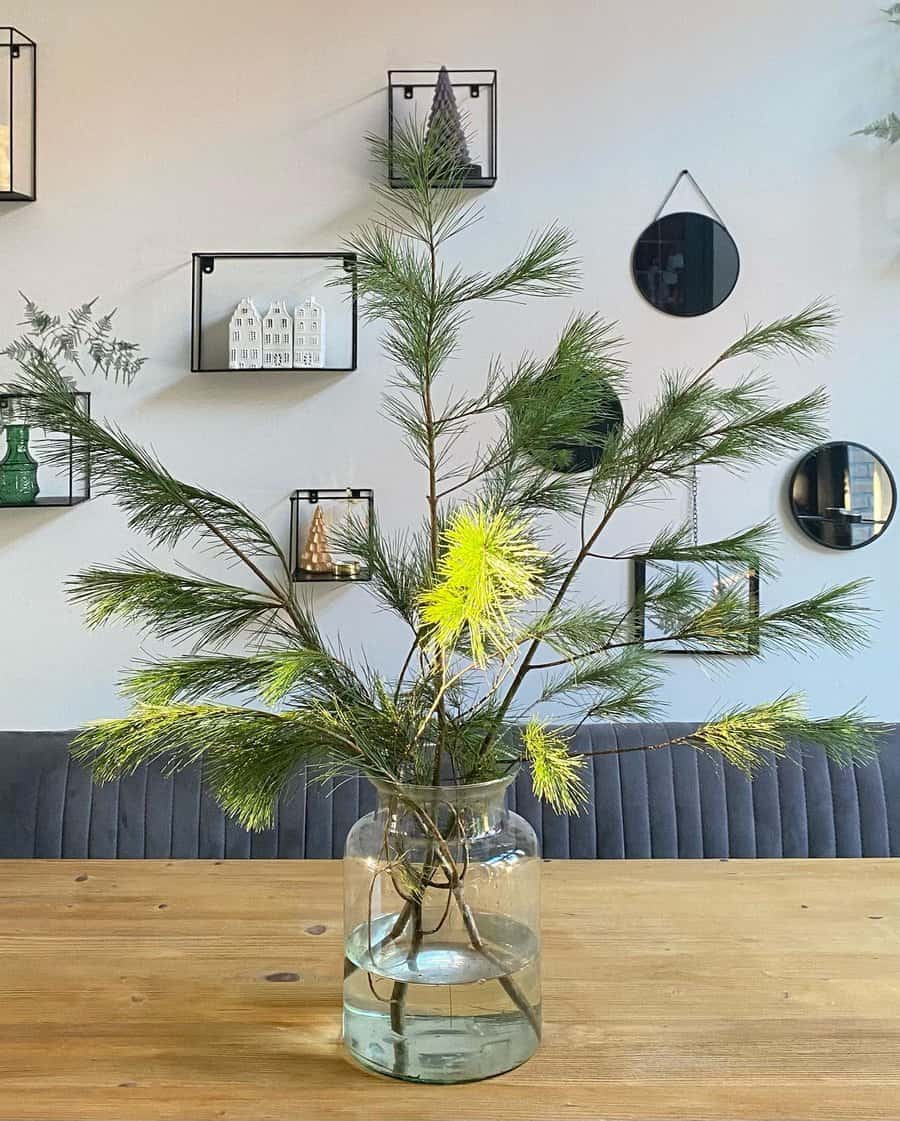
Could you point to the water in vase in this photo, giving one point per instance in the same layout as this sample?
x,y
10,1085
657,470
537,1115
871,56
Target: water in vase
x,y
450,1013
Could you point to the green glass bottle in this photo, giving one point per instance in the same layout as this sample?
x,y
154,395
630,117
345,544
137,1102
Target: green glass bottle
x,y
18,469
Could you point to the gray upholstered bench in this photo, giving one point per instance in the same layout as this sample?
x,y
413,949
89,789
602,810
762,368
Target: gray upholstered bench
x,y
668,803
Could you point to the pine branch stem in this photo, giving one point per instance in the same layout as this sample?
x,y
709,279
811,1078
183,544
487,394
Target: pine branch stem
x,y
558,598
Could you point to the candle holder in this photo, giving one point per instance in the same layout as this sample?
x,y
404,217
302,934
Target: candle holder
x,y
319,521
18,116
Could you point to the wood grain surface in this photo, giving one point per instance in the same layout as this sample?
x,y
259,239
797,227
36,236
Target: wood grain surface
x,y
694,990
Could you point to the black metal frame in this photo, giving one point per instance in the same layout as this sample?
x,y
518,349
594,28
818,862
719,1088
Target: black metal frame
x,y
15,41
204,265
74,497
798,521
485,181
312,495
639,576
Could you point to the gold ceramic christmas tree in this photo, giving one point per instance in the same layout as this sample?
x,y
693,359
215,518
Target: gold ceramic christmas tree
x,y
315,556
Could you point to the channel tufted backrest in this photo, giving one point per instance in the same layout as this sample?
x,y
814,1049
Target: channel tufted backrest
x,y
669,803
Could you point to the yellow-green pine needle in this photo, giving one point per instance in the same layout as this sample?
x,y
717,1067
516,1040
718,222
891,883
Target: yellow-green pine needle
x,y
555,771
489,564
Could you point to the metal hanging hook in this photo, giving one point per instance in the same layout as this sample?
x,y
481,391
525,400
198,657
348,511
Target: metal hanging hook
x,y
671,191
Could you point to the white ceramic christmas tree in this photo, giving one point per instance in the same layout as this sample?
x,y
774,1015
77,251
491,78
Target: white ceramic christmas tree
x,y
245,337
309,334
278,337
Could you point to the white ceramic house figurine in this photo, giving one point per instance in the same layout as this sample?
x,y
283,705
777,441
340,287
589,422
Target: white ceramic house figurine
x,y
278,337
245,337
309,335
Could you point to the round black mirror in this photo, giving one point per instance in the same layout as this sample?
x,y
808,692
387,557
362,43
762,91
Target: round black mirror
x,y
685,264
843,495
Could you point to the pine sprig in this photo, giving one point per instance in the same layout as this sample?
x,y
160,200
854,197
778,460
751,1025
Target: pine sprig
x,y
297,675
248,756
749,738
809,331
171,605
750,549
555,772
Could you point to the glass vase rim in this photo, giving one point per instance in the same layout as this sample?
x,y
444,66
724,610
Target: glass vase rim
x,y
450,790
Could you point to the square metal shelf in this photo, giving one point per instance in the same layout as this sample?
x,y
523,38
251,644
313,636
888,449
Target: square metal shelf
x,y
210,313
332,497
75,478
411,96
18,116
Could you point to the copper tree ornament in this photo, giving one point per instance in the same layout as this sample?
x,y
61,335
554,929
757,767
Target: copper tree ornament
x,y
315,556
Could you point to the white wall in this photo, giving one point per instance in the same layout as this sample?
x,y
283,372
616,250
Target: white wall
x,y
600,104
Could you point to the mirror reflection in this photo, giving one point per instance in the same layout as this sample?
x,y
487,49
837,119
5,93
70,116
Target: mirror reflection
x,y
843,495
685,264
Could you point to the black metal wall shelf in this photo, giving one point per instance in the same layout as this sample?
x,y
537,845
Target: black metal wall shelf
x,y
411,97
18,116
361,501
249,274
73,480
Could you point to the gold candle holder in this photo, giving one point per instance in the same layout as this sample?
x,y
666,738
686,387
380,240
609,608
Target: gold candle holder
x,y
348,569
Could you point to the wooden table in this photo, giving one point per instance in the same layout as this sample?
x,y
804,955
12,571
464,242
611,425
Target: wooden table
x,y
144,989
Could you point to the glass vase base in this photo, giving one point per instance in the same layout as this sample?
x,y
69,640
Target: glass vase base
x,y
449,1014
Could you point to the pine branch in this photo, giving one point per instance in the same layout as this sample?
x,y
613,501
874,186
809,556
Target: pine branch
x,y
749,549
750,738
555,772
575,629
298,676
171,605
837,618
400,566
615,686
249,757
159,506
652,451
805,333
543,268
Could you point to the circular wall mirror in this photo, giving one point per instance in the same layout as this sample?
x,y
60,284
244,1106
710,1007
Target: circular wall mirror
x,y
685,264
570,458
843,495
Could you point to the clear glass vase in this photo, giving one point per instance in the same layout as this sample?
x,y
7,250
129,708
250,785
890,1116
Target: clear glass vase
x,y
442,934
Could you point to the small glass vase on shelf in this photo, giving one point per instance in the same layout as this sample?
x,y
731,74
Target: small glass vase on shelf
x,y
442,934
58,474
18,468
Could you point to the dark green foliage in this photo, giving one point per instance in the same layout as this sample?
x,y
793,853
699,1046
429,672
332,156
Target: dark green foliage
x,y
171,605
439,715
752,548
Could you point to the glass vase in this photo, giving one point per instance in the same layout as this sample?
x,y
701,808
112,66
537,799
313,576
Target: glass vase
x,y
18,469
442,934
